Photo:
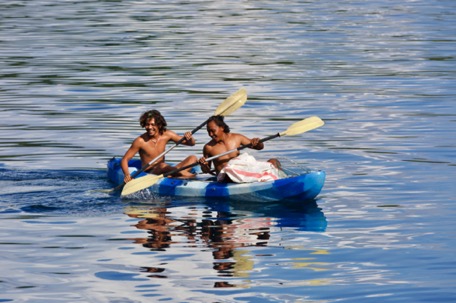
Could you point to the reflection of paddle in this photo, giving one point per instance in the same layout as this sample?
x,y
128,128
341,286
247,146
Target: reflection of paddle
x,y
149,180
231,104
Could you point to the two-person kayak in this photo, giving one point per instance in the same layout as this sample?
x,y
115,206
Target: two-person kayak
x,y
304,186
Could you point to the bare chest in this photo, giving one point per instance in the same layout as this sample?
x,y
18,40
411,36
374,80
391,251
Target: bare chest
x,y
153,147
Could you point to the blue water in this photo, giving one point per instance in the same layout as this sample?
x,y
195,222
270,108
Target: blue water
x,y
76,75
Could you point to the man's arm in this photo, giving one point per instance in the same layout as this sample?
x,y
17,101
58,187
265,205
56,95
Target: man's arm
x,y
205,166
255,142
188,138
129,154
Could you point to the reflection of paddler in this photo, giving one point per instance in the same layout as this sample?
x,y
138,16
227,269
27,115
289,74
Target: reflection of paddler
x,y
156,222
136,212
310,263
251,231
227,236
244,263
239,232
240,266
154,219
224,235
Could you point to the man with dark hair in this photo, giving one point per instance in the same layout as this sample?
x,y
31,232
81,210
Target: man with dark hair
x,y
152,143
222,141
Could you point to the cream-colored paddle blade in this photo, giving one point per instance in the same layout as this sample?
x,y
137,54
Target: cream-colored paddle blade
x,y
140,184
232,103
303,126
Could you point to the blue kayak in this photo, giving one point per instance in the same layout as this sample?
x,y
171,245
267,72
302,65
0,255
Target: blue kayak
x,y
305,186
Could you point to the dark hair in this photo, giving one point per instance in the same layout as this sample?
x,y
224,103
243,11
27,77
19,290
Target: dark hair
x,y
218,120
157,116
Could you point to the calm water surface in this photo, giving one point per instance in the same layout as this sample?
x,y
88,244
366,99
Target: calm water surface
x,y
76,75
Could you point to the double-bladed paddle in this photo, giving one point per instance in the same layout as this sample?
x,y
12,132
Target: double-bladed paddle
x,y
227,107
294,129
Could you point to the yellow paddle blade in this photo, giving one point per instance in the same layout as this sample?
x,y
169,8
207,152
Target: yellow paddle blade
x,y
232,103
140,184
303,126
141,212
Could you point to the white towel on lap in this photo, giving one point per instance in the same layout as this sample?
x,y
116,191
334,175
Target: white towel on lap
x,y
245,168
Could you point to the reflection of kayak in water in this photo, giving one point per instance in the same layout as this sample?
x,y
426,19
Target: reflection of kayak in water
x,y
311,219
303,217
305,186
249,217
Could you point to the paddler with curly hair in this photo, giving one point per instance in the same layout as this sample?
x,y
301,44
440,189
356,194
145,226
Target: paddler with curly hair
x,y
152,143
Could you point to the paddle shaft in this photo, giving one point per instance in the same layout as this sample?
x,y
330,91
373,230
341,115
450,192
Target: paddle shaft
x,y
220,155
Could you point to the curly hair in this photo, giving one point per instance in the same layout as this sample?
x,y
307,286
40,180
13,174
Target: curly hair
x,y
218,120
157,116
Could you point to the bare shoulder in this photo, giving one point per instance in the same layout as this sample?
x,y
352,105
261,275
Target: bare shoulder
x,y
141,139
236,137
138,142
209,145
169,134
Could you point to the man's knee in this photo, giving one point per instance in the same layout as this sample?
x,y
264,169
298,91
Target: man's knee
x,y
275,162
192,158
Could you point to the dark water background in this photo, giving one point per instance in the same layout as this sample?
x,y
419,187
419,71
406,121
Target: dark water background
x,y
76,75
